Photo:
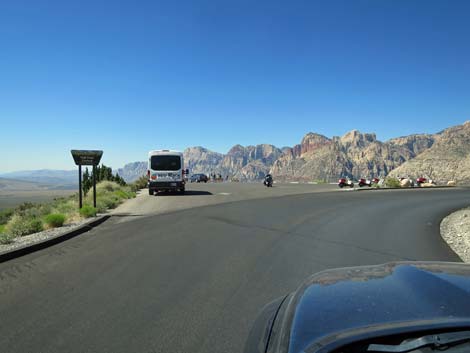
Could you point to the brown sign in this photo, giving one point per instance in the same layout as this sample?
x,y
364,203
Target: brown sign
x,y
86,157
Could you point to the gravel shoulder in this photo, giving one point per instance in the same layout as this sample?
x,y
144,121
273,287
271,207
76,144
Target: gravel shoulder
x,y
455,230
34,238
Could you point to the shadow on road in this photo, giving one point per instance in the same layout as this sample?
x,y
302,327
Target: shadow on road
x,y
187,193
127,214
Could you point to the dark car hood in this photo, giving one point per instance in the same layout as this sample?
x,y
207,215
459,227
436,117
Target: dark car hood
x,y
332,303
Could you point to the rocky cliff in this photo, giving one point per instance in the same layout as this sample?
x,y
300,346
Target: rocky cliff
x,y
245,163
447,159
250,162
132,171
353,155
201,160
442,156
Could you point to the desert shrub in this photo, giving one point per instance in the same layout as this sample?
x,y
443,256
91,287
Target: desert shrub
x,y
140,183
5,215
391,182
54,220
100,206
109,195
24,206
33,210
19,225
88,211
6,238
124,194
66,206
121,194
107,186
109,201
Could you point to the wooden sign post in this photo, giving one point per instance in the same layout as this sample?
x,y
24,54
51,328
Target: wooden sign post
x,y
86,157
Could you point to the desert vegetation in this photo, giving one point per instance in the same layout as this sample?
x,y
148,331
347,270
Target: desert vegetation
x,y
29,217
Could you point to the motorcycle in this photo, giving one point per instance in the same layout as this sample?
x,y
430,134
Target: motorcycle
x,y
421,180
268,181
345,182
364,182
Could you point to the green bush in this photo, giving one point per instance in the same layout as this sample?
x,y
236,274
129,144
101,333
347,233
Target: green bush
x,y
2,228
19,226
66,206
24,206
33,210
124,194
109,195
391,182
6,238
55,220
109,201
5,215
88,211
121,194
107,186
140,183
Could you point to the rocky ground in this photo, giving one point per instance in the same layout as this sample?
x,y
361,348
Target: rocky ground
x,y
455,230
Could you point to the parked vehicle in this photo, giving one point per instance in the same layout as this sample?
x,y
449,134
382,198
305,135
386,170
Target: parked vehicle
x,y
375,181
345,182
420,181
407,182
268,181
412,307
199,178
165,171
364,182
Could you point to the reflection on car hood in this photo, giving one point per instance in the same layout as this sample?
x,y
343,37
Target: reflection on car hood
x,y
337,301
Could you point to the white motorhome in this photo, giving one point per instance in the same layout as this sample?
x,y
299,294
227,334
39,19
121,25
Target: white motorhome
x,y
165,171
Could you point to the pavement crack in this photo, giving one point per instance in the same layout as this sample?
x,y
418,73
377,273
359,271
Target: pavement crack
x,y
349,245
309,237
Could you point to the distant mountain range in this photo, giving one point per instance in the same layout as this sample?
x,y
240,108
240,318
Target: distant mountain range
x,y
40,179
19,185
442,156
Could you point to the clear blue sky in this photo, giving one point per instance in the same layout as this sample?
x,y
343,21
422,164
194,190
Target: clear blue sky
x,y
130,76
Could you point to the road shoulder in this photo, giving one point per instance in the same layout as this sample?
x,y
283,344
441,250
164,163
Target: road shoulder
x,y
41,240
455,230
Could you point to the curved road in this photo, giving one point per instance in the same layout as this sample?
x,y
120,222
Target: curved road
x,y
193,280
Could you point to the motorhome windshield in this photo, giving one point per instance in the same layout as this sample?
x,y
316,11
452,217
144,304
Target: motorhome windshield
x,y
165,162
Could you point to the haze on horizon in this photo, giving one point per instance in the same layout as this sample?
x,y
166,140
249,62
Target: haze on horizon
x,y
127,78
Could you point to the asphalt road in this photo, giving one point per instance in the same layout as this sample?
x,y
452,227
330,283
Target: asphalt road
x,y
202,194
193,280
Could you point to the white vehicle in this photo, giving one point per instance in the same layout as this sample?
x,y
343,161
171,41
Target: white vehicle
x,y
165,171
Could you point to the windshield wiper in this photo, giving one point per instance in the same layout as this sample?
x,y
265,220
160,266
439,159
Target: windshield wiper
x,y
437,340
